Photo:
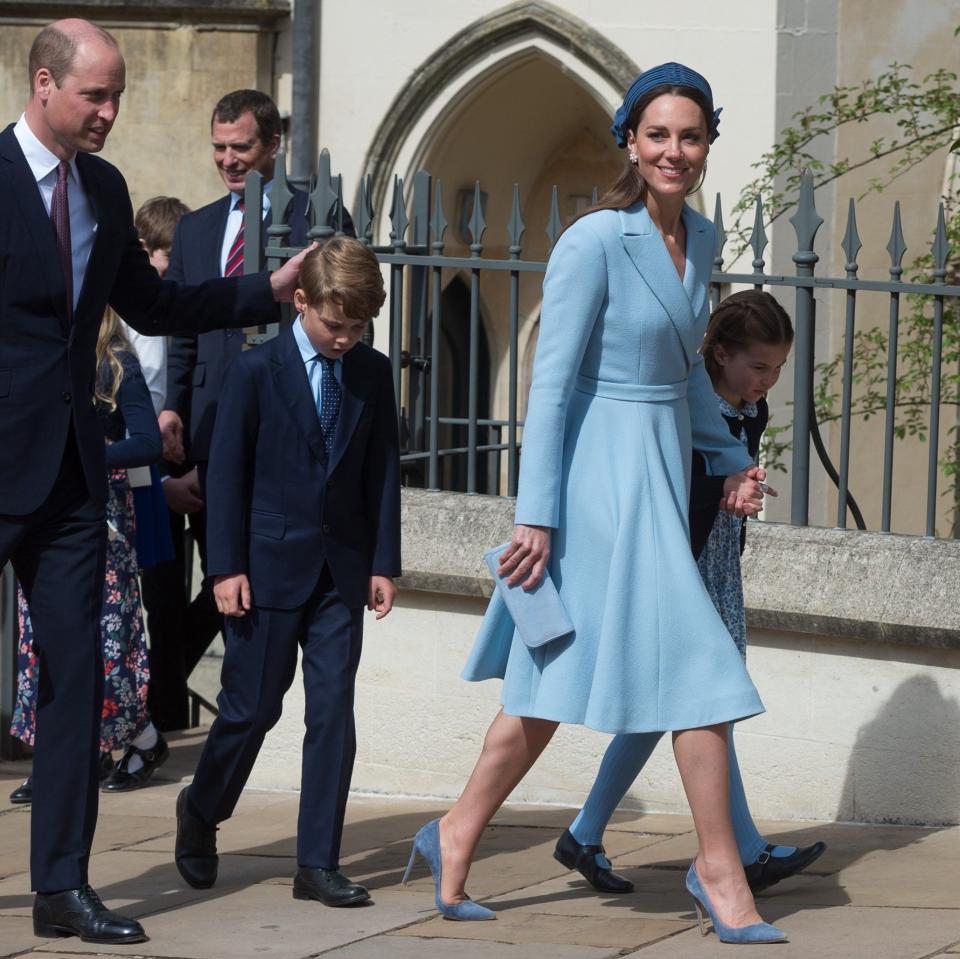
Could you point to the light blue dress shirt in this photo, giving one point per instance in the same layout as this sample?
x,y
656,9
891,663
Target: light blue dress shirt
x,y
309,354
83,224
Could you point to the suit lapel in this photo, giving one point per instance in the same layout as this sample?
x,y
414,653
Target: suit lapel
x,y
290,374
645,247
34,214
353,396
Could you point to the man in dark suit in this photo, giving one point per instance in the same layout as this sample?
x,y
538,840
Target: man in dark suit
x,y
304,530
245,134
68,247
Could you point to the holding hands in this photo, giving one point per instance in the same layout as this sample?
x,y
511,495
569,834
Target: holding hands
x,y
743,492
526,557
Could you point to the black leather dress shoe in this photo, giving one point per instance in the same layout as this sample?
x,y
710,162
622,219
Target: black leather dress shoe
x,y
24,792
768,870
329,886
196,847
122,780
591,862
79,912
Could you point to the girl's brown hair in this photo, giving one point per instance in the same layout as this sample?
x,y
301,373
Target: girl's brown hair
x,y
630,186
345,271
744,318
111,342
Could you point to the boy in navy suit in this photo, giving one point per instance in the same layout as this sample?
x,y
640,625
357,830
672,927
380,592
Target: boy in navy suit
x,y
303,532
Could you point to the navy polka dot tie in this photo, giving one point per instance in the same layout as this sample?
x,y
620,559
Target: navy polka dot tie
x,y
329,405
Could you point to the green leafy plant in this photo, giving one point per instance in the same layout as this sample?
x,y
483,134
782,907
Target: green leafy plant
x,y
925,114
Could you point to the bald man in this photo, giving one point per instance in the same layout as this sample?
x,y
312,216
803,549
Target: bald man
x,y
68,247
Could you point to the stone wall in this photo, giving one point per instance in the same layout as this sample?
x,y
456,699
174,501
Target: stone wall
x,y
854,646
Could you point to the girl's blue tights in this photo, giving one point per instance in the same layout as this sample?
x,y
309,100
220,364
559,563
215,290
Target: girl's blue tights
x,y
626,755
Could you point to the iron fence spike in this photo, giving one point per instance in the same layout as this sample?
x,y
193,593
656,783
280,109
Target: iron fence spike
x,y
322,198
721,234
758,238
398,215
439,225
554,223
515,226
851,240
363,210
896,246
806,221
478,224
941,248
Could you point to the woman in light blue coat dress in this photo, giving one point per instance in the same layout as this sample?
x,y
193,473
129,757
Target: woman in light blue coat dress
x,y
619,398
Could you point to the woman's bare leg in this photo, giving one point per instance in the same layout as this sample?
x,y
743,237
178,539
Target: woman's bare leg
x,y
702,760
510,748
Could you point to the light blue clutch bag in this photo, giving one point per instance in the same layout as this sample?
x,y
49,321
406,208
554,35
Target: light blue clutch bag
x,y
538,613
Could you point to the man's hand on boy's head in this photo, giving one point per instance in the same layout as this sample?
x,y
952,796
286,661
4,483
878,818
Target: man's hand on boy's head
x,y
232,594
381,595
284,281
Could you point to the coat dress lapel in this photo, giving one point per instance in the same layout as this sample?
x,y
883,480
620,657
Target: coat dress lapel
x,y
645,247
34,215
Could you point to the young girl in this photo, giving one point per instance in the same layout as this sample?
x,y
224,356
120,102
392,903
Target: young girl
x,y
746,344
133,439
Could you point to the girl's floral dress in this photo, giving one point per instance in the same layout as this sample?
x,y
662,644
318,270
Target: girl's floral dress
x,y
124,646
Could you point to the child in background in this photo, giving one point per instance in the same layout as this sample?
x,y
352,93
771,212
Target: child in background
x,y
133,439
745,347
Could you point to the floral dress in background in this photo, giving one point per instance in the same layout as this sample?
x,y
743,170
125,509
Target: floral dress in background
x,y
126,674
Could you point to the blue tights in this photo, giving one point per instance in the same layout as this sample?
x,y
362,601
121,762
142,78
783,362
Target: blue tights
x,y
626,755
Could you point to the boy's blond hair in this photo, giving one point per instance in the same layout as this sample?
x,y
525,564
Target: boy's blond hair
x,y
347,273
157,220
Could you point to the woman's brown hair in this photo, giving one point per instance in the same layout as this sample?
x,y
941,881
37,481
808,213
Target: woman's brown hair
x,y
744,318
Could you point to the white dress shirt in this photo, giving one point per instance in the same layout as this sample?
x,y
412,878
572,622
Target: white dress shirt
x,y
152,353
83,224
235,218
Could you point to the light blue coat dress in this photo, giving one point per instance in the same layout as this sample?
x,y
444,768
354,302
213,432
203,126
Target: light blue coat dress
x,y
619,396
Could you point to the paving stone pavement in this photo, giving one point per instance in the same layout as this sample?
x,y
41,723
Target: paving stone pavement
x,y
879,892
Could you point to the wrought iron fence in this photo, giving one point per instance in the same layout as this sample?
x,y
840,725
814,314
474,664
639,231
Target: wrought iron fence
x,y
417,261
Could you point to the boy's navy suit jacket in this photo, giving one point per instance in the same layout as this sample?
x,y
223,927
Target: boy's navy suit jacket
x,y
278,507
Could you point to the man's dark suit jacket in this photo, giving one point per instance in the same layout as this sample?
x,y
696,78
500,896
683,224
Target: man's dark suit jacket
x,y
196,364
47,361
279,508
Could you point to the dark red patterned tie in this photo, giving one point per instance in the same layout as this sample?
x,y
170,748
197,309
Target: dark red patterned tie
x,y
60,215
234,265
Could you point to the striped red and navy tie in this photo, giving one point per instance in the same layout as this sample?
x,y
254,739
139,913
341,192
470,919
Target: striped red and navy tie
x,y
234,265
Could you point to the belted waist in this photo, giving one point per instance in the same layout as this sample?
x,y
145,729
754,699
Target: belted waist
x,y
632,392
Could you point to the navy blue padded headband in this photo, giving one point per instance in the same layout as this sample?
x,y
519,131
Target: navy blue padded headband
x,y
667,74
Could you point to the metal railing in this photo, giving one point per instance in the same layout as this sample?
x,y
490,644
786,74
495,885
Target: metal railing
x,y
417,262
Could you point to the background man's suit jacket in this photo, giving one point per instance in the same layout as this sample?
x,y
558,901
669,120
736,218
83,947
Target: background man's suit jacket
x,y
279,507
47,361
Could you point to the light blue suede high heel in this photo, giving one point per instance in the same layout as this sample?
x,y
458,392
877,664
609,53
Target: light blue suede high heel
x,y
427,843
758,932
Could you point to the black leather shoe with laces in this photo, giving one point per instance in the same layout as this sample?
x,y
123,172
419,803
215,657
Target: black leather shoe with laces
x,y
79,912
24,792
121,779
768,870
591,862
329,886
196,846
